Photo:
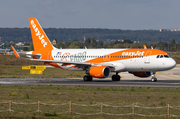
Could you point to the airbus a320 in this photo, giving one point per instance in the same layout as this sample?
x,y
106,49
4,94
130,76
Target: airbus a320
x,y
98,63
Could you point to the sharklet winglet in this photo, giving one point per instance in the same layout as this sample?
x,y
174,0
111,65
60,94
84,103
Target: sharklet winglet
x,y
145,47
15,52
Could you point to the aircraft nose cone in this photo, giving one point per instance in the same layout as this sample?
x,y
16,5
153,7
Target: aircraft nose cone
x,y
171,63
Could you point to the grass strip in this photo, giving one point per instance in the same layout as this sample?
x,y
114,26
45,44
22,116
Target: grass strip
x,y
79,95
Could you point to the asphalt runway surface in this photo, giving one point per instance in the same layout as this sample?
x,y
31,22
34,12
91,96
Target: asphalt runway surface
x,y
166,79
94,83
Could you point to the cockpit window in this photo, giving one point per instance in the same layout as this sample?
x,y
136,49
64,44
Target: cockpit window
x,y
161,56
166,56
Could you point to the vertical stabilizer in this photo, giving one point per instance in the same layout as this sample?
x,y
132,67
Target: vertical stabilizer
x,y
40,39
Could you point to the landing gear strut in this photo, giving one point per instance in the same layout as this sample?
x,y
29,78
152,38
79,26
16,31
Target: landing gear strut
x,y
116,77
153,79
88,77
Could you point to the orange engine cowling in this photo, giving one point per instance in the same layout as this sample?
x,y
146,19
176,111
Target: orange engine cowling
x,y
99,71
142,74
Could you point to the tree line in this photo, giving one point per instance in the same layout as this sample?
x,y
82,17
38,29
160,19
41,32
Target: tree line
x,y
93,43
69,35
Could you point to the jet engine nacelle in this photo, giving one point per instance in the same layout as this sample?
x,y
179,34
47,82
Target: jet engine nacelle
x,y
99,71
142,74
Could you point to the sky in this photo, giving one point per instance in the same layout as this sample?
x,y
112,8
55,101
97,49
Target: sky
x,y
110,14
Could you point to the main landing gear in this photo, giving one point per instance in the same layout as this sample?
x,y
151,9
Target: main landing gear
x,y
87,78
116,77
153,79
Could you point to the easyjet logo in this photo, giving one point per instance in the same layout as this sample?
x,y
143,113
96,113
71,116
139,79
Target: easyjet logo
x,y
138,53
38,34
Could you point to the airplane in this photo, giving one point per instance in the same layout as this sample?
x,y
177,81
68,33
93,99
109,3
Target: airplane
x,y
4,50
98,63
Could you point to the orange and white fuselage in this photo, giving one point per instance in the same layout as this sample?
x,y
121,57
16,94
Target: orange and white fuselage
x,y
120,59
97,62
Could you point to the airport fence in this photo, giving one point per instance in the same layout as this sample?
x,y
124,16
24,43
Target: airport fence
x,y
101,109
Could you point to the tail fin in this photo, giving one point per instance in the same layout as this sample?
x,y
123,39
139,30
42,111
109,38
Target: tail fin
x,y
40,40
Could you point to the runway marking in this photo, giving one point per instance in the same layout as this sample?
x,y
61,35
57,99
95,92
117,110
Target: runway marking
x,y
168,75
122,76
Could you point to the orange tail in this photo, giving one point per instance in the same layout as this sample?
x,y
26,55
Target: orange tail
x,y
40,40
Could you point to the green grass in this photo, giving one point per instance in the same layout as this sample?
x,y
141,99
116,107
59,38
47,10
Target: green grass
x,y
50,72
13,94
11,67
116,96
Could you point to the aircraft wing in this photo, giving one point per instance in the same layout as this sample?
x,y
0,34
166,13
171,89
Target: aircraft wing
x,y
75,63
63,62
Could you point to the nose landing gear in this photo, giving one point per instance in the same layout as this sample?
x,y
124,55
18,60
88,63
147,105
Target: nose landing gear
x,y
153,79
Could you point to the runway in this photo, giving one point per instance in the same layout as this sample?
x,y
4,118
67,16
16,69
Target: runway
x,y
166,79
94,83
